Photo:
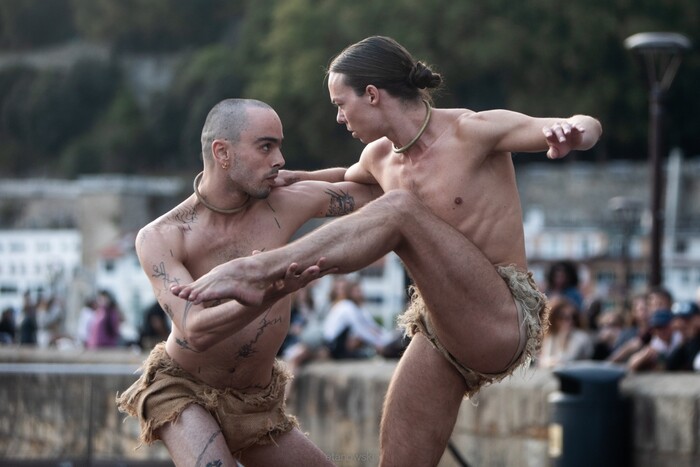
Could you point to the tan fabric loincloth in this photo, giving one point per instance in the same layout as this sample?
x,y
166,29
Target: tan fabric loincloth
x,y
533,321
164,390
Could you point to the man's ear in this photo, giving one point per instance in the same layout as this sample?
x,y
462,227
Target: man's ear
x,y
220,153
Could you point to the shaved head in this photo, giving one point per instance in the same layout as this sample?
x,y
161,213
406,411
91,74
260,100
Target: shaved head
x,y
227,120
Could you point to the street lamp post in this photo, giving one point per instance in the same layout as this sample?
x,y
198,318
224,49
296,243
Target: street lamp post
x,y
626,215
662,55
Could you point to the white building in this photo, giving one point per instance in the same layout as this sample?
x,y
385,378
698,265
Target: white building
x,y
38,262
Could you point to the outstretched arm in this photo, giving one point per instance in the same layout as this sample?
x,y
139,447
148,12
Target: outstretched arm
x,y
507,131
288,177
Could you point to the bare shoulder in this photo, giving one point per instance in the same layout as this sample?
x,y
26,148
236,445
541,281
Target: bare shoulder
x,y
167,232
373,160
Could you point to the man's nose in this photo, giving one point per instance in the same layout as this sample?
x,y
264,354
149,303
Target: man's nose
x,y
278,162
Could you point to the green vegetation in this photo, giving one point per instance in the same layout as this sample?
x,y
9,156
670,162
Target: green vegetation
x,y
540,57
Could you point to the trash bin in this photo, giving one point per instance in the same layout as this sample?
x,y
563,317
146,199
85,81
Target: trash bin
x,y
589,417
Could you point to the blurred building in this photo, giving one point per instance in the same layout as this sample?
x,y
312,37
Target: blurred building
x,y
62,237
567,215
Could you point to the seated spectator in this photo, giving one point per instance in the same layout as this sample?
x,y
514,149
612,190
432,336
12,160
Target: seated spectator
x,y
635,330
28,326
609,326
652,356
155,327
564,342
563,280
303,311
349,331
87,313
104,330
687,322
49,317
639,334
7,326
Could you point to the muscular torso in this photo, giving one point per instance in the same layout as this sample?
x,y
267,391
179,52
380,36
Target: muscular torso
x,y
470,188
202,241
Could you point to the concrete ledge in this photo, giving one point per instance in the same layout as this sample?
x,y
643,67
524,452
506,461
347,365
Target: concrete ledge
x,y
60,406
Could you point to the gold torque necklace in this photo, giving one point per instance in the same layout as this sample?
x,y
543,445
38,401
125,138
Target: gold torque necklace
x,y
195,185
429,111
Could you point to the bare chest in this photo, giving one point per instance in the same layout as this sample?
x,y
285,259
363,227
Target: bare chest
x,y
441,185
212,245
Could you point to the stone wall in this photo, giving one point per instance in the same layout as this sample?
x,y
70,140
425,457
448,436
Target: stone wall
x,y
60,406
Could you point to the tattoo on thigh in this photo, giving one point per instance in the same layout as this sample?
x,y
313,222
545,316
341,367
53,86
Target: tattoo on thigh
x,y
341,203
200,458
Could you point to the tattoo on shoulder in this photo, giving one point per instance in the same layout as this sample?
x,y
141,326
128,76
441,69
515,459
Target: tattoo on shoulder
x,y
185,216
341,203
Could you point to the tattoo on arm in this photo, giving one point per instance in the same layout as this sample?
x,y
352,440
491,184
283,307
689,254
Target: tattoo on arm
x,y
160,272
188,306
200,458
183,342
274,217
341,203
168,310
185,345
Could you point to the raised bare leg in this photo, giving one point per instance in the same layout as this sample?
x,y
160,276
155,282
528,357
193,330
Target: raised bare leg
x,y
195,439
420,408
469,301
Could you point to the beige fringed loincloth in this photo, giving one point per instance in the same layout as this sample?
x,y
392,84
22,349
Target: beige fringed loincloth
x,y
533,310
164,390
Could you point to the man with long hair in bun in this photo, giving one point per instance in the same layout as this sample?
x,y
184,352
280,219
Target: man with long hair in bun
x,y
452,213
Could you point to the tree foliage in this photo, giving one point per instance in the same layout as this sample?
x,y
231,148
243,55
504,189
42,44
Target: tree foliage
x,y
154,25
540,57
34,23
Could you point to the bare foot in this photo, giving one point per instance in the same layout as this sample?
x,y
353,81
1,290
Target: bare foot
x,y
236,280
229,280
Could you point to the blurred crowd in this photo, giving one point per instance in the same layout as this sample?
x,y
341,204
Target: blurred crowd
x,y
651,332
42,322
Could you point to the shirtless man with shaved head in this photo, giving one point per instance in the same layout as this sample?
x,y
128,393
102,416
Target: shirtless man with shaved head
x,y
214,392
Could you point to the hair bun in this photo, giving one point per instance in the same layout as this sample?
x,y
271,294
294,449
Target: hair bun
x,y
422,77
